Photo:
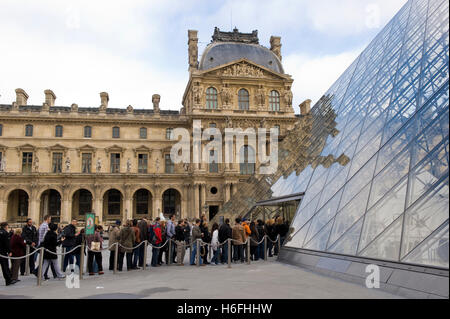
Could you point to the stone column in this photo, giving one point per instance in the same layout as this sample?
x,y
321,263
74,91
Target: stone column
x,y
66,212
157,202
3,210
128,201
98,203
227,192
196,201
203,198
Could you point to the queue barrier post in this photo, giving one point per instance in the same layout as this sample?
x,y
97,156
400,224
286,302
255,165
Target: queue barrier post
x,y
229,252
279,245
27,261
82,260
116,255
197,260
265,247
248,250
169,259
144,264
41,263
63,256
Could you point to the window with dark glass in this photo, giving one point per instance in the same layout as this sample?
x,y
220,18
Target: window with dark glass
x,y
142,163
29,130
274,100
116,132
87,131
85,202
1,156
247,160
27,161
57,162
114,201
115,162
143,132
1,129
243,99
58,131
142,198
169,165
22,204
86,162
213,165
211,98
169,133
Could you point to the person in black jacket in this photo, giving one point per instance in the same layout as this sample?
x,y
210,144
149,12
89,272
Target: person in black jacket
x,y
68,242
5,250
79,239
225,232
270,232
143,233
50,243
261,233
281,229
31,237
206,239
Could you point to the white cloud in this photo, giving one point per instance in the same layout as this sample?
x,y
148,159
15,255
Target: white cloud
x,y
313,75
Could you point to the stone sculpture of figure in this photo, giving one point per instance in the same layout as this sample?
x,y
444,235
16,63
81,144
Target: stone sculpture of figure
x,y
197,91
186,167
155,100
36,163
226,94
229,122
67,164
99,165
129,109
260,97
3,165
128,165
157,165
288,97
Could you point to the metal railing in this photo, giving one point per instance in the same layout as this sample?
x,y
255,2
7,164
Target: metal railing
x,y
198,242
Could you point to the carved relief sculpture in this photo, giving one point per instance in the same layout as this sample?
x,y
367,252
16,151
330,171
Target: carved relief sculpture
x,y
128,165
288,96
226,95
67,164
3,165
197,91
260,97
99,165
36,164
243,69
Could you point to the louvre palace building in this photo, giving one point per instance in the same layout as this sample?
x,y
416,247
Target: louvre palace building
x,y
65,161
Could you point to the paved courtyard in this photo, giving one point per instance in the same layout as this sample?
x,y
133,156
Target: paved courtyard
x,y
265,280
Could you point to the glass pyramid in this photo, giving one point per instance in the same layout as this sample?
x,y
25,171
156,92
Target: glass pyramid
x,y
389,114
372,155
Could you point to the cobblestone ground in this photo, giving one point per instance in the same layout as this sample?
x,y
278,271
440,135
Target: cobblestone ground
x,y
260,279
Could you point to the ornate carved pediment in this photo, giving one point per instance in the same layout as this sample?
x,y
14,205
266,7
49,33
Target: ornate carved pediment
x,y
142,149
86,149
56,148
25,148
114,149
245,68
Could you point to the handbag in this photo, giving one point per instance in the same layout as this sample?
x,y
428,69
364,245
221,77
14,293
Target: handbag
x,y
95,245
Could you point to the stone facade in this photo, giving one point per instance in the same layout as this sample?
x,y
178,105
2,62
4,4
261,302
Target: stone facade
x,y
66,161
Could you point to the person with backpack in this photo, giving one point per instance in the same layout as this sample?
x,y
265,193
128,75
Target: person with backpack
x,y
156,240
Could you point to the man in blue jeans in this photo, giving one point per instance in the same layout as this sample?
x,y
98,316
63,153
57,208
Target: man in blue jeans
x,y
196,234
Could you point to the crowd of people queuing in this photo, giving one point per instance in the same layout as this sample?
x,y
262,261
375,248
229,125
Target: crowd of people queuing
x,y
129,240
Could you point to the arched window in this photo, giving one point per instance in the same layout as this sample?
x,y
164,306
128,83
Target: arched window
x,y
58,131
247,160
274,101
243,99
29,130
211,98
87,131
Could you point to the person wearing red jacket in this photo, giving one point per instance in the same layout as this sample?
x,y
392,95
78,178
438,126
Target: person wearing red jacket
x,y
156,242
18,247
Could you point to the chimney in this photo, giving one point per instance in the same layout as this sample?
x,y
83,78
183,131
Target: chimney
x,y
305,107
104,98
50,97
21,97
275,46
193,49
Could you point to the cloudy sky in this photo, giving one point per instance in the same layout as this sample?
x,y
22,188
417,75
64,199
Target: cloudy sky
x,y
134,48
